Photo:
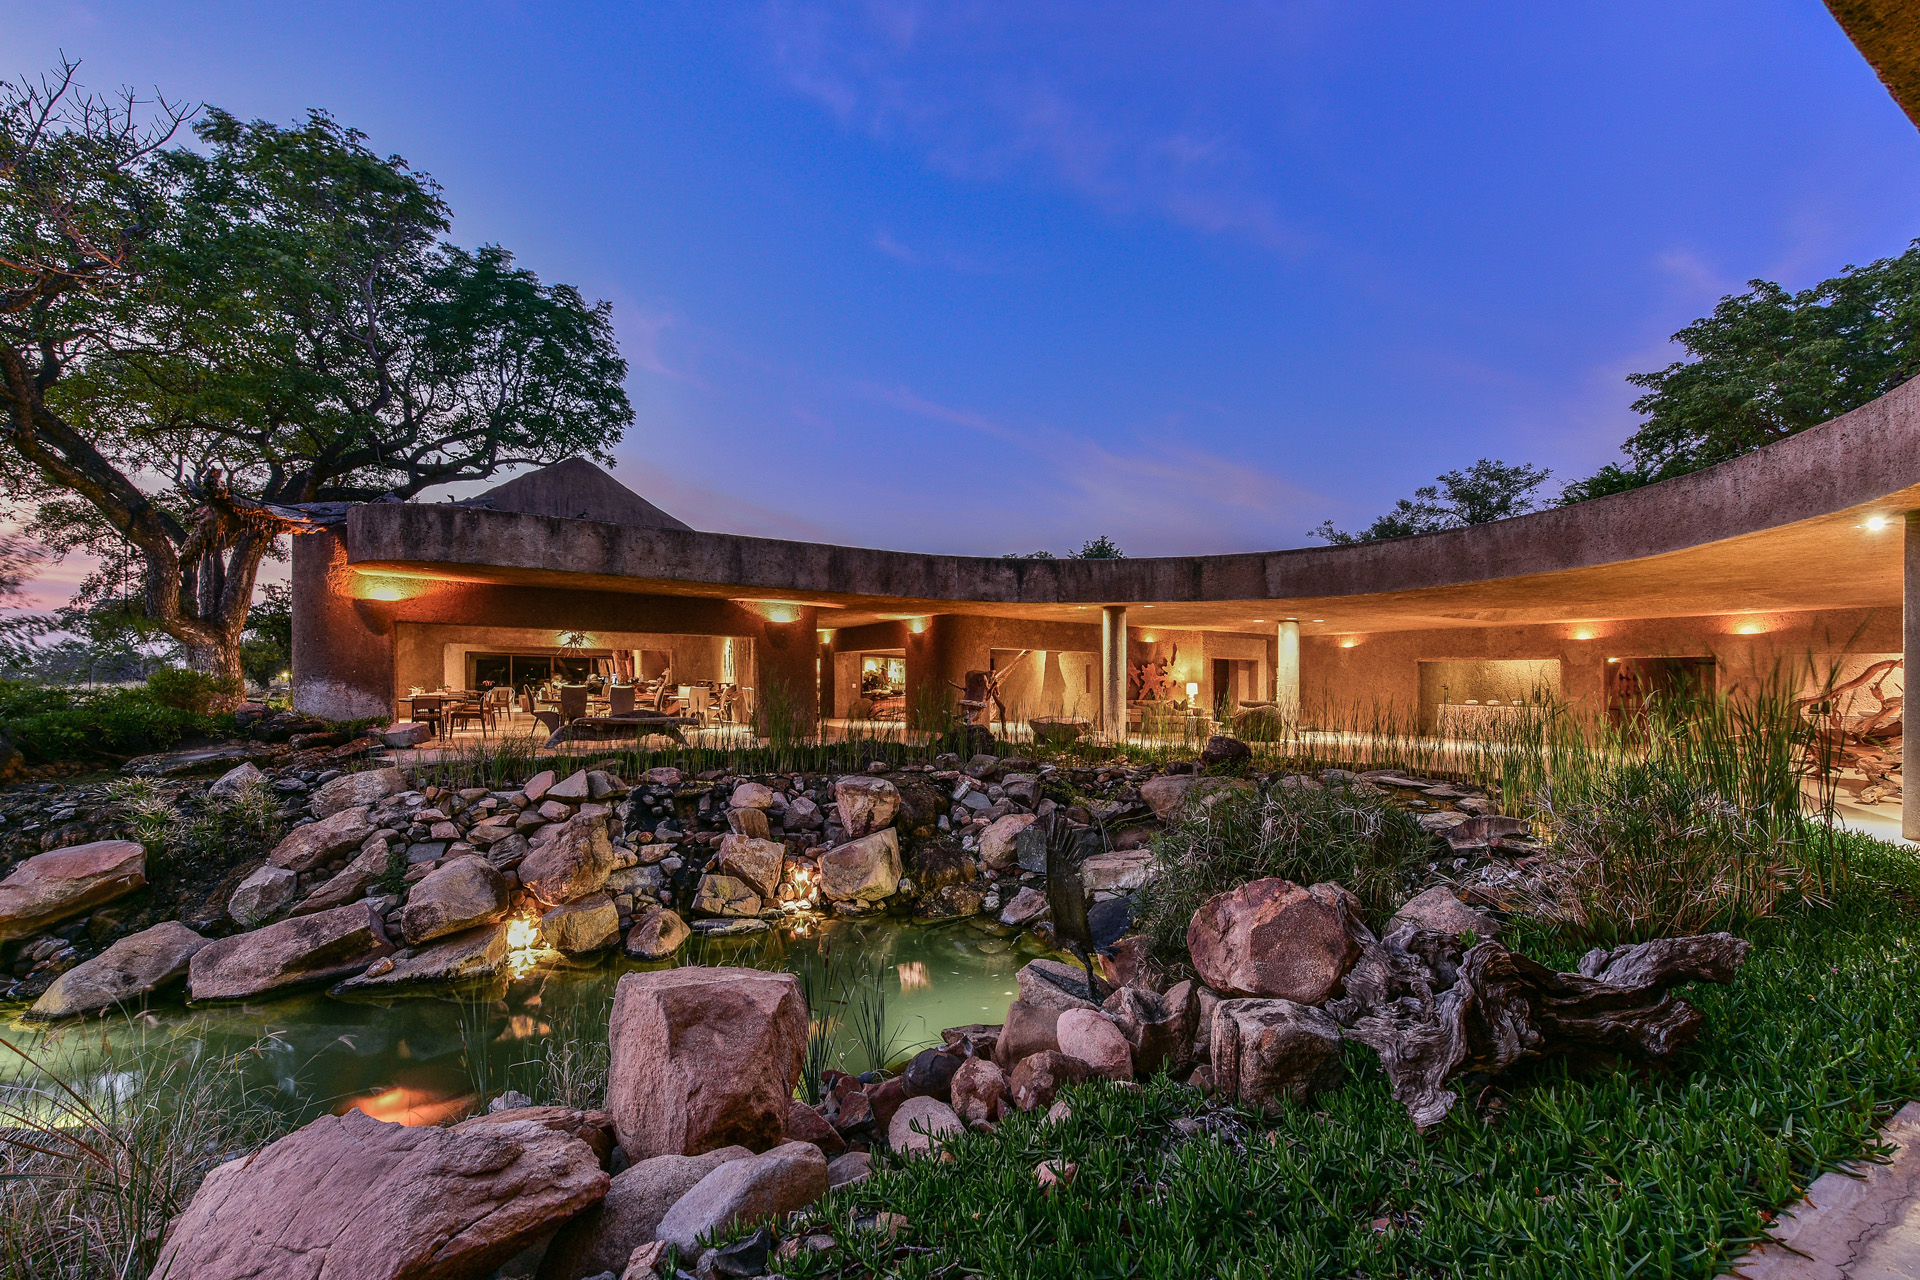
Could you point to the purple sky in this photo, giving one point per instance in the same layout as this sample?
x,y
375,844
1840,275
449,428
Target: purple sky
x,y
993,277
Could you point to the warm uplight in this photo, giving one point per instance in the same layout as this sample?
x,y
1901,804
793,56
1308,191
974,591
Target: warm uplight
x,y
1349,642
402,1105
918,626
523,945
1876,523
1585,633
368,586
1750,627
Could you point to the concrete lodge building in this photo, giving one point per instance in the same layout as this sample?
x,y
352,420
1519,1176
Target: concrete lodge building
x,y
1791,562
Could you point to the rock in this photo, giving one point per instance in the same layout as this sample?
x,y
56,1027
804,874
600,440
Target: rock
x,y
567,860
1267,1052
1481,831
1273,938
404,733
605,1236
949,902
584,925
573,789
1052,1175
356,791
866,804
457,895
844,1171
1027,907
318,843
595,1128
1158,1028
1442,822
704,1057
998,842
931,1072
324,947
50,887
725,896
919,1124
751,795
1029,1029
644,1263
195,760
135,966
1118,871
785,1179
477,953
657,934
1091,1037
802,814
353,880
883,1100
759,863
1168,793
262,896
1048,984
806,1124
235,781
352,1197
749,822
979,1091
862,870
1442,911
1223,750
538,786
1039,1078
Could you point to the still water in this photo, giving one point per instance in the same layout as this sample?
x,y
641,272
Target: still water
x,y
423,1059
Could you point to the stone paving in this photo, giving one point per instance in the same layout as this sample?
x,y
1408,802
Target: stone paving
x,y
1851,1226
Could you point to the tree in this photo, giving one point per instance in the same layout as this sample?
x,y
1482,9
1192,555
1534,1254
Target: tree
x,y
1100,548
266,650
1767,364
1488,490
193,343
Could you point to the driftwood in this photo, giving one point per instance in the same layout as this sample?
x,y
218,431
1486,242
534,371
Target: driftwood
x,y
1434,1013
628,724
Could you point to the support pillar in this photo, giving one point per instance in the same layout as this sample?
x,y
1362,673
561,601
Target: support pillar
x,y
343,647
1910,646
1286,672
1113,672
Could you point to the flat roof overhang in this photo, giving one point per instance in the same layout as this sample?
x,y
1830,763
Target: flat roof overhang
x,y
1814,521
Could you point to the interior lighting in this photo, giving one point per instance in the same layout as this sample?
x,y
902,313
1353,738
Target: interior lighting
x,y
1585,633
1750,627
1875,524
1349,642
369,586
1193,689
918,626
1319,619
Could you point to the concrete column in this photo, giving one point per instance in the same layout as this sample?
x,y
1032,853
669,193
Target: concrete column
x,y
1910,644
786,653
342,646
1286,670
1113,671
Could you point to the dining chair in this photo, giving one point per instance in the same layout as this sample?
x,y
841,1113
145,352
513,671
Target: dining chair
x,y
620,699
573,701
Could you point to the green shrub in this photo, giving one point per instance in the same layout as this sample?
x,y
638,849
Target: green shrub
x,y
1351,835
56,723
190,691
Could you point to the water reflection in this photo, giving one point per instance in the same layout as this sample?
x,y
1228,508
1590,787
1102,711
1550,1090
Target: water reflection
x,y
420,1060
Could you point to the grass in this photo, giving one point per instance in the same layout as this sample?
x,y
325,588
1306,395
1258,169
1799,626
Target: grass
x,y
1606,1174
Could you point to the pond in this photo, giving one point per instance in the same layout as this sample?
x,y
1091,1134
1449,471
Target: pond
x,y
423,1059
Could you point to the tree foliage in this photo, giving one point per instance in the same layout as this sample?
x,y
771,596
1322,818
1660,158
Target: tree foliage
x,y
1488,490
1100,548
194,341
1769,363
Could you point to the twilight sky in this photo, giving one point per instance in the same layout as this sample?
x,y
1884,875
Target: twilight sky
x,y
985,277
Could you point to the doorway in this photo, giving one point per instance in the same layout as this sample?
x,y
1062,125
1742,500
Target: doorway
x,y
1634,685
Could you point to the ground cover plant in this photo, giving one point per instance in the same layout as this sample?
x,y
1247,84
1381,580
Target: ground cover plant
x,y
1606,1173
50,723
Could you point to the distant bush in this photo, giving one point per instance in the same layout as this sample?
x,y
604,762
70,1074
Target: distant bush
x,y
193,691
61,723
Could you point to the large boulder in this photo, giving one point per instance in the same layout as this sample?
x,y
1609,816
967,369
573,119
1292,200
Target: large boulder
x,y
1441,910
785,1179
232,784
135,966
352,881
456,895
318,843
324,947
464,957
50,887
1167,794
704,1057
262,896
602,1238
998,841
979,1092
1029,1029
568,860
1049,984
585,925
1118,871
866,803
863,870
1038,1079
1273,938
758,862
1269,1052
352,1198
657,934
356,791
